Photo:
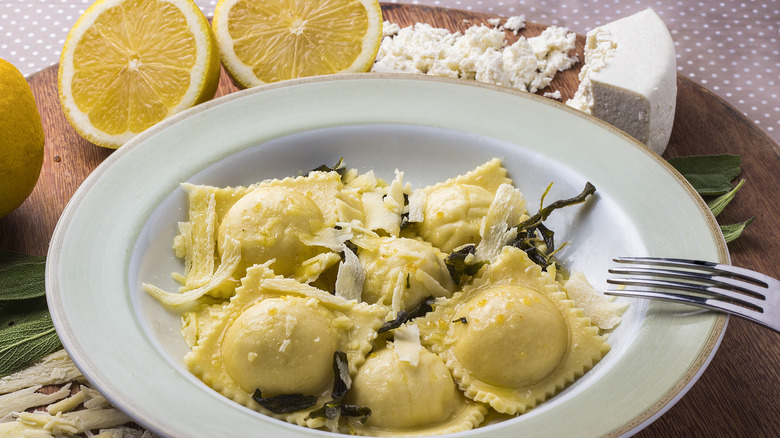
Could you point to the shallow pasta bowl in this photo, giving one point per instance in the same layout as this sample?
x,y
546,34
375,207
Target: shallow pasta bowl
x,y
117,230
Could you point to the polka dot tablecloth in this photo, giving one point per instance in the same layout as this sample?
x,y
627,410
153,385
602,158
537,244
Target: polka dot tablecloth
x,y
730,47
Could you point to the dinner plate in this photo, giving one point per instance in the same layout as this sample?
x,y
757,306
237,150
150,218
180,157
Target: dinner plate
x,y
117,230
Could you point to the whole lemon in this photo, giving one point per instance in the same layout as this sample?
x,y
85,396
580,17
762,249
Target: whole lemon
x,y
21,139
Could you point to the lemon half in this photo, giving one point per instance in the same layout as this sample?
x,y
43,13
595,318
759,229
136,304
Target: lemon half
x,y
128,64
263,41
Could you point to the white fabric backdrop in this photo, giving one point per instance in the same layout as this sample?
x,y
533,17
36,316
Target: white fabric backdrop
x,y
728,46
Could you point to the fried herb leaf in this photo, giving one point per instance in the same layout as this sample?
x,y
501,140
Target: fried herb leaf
x,y
342,382
457,265
545,212
338,168
285,403
531,233
403,316
708,174
405,216
341,378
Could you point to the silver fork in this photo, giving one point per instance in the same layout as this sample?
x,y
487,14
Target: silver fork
x,y
738,291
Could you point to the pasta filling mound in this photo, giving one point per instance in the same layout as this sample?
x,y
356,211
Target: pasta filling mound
x,y
339,301
281,346
514,336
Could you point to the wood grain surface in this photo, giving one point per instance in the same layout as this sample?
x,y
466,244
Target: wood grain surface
x,y
737,395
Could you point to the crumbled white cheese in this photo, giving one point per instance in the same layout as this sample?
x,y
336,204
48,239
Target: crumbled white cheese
x,y
479,53
515,23
390,29
555,95
495,22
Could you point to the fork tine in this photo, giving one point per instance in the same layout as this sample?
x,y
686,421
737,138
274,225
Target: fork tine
x,y
710,280
728,270
704,302
745,301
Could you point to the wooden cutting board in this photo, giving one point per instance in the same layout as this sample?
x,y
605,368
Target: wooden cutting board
x,y
739,394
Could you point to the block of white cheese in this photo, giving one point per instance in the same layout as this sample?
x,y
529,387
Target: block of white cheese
x,y
629,79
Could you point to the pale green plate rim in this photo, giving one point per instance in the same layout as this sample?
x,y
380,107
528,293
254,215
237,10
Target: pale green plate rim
x,y
91,305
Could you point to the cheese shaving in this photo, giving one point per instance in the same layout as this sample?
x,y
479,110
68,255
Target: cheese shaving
x,y
28,398
497,229
378,216
406,343
53,369
394,200
67,404
350,278
199,259
397,302
602,311
417,206
331,238
231,257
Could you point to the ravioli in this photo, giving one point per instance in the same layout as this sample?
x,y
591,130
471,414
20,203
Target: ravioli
x,y
279,336
269,223
512,338
213,263
410,399
454,209
401,272
283,276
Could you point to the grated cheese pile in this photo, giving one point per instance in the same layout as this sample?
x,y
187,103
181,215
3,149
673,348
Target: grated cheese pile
x,y
25,412
480,53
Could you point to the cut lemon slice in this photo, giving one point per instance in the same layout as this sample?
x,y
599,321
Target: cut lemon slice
x,y
264,41
128,64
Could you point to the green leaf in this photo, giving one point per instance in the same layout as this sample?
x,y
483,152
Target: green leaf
x,y
708,174
731,232
24,343
17,312
718,204
21,276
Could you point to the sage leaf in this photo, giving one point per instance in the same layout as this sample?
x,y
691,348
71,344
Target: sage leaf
x,y
21,276
285,403
731,232
24,343
708,174
17,312
425,306
718,204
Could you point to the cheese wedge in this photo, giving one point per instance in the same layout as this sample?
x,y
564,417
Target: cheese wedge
x,y
629,79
